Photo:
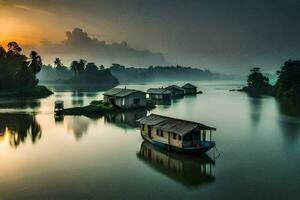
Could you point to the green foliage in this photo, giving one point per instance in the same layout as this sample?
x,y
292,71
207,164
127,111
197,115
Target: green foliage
x,y
288,83
18,71
258,84
256,79
59,65
91,68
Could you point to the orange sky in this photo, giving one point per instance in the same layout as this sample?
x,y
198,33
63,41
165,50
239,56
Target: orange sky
x,y
28,26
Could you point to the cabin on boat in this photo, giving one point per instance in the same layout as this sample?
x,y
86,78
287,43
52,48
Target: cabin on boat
x,y
176,134
159,94
125,98
189,89
175,90
58,107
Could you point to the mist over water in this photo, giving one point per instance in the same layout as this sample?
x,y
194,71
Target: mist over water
x,y
77,157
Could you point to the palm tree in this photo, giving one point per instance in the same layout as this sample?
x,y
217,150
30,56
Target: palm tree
x,y
81,65
35,65
74,66
58,63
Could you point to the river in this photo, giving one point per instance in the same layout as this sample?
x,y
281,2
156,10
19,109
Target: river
x,y
76,157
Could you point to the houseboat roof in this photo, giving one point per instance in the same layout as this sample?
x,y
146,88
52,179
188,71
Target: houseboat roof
x,y
188,85
158,91
175,87
173,125
120,92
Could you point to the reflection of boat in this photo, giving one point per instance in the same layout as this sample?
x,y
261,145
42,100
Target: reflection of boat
x,y
189,170
126,118
58,118
176,134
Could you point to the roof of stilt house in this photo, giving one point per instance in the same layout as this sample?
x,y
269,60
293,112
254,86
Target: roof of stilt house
x,y
179,126
158,91
175,87
120,92
188,85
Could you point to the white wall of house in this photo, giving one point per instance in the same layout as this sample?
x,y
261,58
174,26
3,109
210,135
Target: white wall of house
x,y
134,100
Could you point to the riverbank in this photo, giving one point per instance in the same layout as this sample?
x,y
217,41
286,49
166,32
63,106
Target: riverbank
x,y
32,92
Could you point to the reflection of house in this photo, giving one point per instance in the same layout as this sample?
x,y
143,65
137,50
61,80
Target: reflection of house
x,y
190,89
125,98
126,118
159,94
175,90
188,170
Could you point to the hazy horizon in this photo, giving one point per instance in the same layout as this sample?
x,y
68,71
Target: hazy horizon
x,y
223,37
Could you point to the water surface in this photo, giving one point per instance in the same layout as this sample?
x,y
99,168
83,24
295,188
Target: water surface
x,y
101,157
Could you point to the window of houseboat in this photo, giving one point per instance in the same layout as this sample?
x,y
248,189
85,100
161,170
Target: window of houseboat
x,y
179,137
174,136
143,127
157,132
161,133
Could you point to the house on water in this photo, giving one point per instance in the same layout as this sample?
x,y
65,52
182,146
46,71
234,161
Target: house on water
x,y
176,134
125,98
175,90
190,89
159,94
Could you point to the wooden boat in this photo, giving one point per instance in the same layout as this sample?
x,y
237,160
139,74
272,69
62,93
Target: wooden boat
x,y
176,134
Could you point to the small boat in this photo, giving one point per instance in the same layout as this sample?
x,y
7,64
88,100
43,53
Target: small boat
x,y
176,134
58,107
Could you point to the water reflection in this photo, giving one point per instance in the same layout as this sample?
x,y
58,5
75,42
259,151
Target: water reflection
x,y
78,125
77,98
162,102
188,170
126,119
290,106
17,128
59,119
289,123
255,109
20,103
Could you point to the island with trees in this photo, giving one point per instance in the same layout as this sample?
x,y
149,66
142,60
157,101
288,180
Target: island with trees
x,y
18,73
287,84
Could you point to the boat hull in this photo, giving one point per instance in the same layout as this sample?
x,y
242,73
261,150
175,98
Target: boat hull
x,y
199,149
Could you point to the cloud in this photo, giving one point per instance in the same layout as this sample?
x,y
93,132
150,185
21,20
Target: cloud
x,y
79,44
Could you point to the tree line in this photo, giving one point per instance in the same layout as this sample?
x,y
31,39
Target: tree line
x,y
18,70
287,84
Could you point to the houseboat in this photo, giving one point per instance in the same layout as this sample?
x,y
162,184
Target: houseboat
x,y
176,134
160,96
58,107
190,89
176,91
125,98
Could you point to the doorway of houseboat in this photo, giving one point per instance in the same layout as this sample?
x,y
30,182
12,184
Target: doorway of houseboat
x,y
150,132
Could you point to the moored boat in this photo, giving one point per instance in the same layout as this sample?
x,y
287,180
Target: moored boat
x,y
176,134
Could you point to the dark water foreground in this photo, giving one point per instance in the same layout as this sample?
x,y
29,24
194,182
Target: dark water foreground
x,y
104,157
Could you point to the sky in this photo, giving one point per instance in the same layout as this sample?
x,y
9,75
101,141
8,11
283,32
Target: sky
x,y
224,36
